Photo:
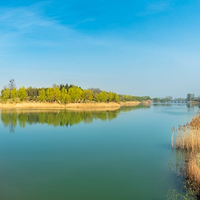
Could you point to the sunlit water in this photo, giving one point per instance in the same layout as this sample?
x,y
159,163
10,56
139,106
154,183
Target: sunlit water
x,y
118,155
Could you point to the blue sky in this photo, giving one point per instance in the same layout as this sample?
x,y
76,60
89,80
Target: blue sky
x,y
129,47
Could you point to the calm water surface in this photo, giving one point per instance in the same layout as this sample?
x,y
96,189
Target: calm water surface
x,y
124,154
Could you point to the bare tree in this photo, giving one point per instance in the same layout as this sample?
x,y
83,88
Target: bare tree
x,y
11,84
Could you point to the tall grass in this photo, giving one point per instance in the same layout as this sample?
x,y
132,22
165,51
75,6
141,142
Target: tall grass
x,y
193,172
188,136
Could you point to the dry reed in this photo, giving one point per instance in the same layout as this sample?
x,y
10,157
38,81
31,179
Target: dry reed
x,y
193,172
187,138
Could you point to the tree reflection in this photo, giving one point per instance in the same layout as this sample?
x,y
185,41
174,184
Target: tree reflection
x,y
12,118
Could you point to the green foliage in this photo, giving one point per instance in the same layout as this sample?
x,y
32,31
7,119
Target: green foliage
x,y
49,94
133,98
32,92
56,94
87,95
42,95
64,97
113,97
102,96
13,94
75,94
22,94
65,94
5,94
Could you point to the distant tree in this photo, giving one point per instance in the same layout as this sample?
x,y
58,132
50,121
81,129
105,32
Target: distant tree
x,y
13,94
56,93
75,93
110,96
87,95
33,93
22,94
102,96
95,90
190,97
61,86
42,95
116,98
49,94
64,97
66,87
12,84
156,99
5,94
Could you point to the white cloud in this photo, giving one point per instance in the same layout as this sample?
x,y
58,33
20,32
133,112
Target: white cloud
x,y
154,8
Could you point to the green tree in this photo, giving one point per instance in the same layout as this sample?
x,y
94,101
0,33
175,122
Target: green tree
x,y
111,96
22,94
64,97
5,94
49,94
42,95
102,96
13,94
56,93
116,98
75,93
87,95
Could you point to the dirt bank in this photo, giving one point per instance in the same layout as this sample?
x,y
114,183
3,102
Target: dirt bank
x,y
70,106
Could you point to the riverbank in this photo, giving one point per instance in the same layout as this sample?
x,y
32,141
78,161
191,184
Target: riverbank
x,y
70,106
135,103
188,139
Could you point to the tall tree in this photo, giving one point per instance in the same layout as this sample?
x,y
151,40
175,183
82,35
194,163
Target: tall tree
x,y
42,94
13,94
5,94
49,94
75,93
22,94
12,84
87,95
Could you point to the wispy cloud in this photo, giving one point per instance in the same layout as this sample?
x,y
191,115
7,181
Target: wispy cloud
x,y
29,26
155,8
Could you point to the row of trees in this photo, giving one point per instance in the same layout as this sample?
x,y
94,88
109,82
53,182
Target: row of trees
x,y
133,98
63,94
73,94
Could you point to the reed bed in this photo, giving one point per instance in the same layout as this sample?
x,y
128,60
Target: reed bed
x,y
193,172
187,137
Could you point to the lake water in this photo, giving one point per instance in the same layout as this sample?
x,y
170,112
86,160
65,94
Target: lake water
x,y
116,155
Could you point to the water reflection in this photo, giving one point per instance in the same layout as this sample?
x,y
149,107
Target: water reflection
x,y
178,165
12,118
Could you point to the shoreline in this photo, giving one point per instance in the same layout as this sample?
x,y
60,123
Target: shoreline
x,y
187,139
71,106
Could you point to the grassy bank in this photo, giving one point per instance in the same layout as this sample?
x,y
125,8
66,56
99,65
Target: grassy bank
x,y
187,138
70,106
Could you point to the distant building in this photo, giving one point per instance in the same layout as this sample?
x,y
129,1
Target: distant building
x,y
190,97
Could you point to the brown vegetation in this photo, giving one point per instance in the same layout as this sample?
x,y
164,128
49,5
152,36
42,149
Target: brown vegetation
x,y
188,138
193,172
70,106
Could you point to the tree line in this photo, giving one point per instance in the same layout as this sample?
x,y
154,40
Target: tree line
x,y
63,94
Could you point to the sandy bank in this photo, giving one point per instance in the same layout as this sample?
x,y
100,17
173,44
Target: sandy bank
x,y
130,103
70,106
134,103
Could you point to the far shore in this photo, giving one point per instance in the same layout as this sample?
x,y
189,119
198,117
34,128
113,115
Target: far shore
x,y
71,106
